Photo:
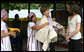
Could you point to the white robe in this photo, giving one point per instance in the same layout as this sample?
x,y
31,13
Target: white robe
x,y
46,34
5,41
5,44
32,44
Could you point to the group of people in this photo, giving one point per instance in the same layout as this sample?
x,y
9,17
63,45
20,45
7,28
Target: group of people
x,y
37,39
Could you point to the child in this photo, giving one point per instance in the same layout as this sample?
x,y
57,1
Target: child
x,y
5,39
32,42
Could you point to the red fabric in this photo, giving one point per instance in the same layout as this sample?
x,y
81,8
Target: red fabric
x,y
82,45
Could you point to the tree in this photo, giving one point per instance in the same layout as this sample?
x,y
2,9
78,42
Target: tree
x,y
38,6
12,6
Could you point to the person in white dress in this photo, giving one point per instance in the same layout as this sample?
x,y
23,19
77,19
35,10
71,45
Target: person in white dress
x,y
73,35
5,40
32,43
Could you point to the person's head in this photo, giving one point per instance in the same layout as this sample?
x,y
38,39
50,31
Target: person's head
x,y
3,14
73,8
16,16
44,10
32,17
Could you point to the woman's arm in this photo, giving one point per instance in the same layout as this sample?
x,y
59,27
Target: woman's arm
x,y
67,38
41,26
4,34
7,34
76,30
67,31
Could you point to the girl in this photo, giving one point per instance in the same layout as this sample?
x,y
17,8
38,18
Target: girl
x,y
32,42
73,35
5,40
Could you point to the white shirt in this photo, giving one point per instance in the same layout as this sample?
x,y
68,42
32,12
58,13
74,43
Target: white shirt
x,y
5,41
72,26
3,27
32,42
29,29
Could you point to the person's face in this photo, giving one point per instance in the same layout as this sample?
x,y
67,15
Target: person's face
x,y
5,17
34,18
46,13
68,9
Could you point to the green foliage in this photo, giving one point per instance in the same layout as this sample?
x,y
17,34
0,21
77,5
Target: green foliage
x,y
38,6
19,6
12,6
60,6
4,6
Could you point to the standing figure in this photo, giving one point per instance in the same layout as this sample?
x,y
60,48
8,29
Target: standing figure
x,y
5,39
18,41
73,35
32,43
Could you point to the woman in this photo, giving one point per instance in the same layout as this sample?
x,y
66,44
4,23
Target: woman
x,y
47,33
45,12
5,40
32,44
73,35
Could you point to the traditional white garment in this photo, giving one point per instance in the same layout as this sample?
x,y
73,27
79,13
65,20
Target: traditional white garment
x,y
46,34
32,44
5,41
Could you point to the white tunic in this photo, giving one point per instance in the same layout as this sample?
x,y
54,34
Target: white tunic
x,y
5,41
72,26
46,34
32,42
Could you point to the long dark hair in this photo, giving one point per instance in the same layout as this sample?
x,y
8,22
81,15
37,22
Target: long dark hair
x,y
30,19
74,8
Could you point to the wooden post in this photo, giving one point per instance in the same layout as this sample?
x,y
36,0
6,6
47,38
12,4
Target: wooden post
x,y
28,7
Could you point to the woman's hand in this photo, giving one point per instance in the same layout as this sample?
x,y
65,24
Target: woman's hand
x,y
67,39
12,33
